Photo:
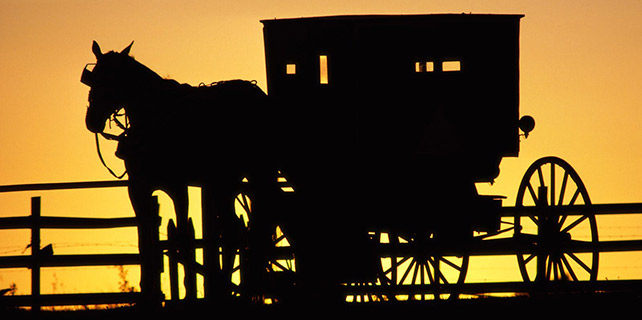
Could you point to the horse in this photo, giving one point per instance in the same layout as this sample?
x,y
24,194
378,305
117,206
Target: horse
x,y
180,135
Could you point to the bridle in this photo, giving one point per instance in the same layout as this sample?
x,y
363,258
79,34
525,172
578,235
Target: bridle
x,y
87,78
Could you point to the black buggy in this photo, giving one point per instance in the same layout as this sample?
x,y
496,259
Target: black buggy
x,y
391,120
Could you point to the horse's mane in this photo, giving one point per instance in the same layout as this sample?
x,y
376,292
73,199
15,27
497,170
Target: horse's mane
x,y
141,71
144,74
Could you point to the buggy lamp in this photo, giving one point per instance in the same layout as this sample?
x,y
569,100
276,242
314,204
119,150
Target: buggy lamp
x,y
87,76
526,124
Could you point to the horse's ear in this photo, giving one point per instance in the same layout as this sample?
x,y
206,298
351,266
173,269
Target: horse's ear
x,y
126,50
96,49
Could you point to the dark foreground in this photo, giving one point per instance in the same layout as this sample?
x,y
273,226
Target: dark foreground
x,y
594,305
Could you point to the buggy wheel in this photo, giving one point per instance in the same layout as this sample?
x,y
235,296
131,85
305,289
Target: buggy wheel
x,y
417,268
380,289
559,241
258,266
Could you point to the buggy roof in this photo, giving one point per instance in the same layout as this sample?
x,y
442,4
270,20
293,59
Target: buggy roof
x,y
445,17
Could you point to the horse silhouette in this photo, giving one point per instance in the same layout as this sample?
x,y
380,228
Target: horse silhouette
x,y
213,136
178,136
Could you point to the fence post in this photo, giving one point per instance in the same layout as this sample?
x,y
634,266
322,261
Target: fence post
x,y
157,265
172,254
35,254
151,254
189,263
211,238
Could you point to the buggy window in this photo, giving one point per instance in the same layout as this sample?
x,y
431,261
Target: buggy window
x,y
450,66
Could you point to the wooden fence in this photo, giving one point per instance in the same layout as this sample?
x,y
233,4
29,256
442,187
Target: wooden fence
x,y
44,257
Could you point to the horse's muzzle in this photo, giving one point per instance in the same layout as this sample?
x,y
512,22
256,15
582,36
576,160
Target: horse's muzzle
x,y
93,123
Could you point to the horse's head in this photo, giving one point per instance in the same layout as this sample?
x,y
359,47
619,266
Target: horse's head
x,y
110,82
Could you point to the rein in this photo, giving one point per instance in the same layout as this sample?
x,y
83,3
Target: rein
x,y
109,136
100,155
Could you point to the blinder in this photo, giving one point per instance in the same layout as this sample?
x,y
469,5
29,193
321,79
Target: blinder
x,y
87,76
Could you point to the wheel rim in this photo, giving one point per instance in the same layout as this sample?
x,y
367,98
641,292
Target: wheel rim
x,y
417,272
557,242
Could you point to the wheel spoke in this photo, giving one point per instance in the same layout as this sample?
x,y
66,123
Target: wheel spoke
x,y
560,269
530,258
402,261
451,264
532,193
563,188
569,268
390,270
580,262
278,264
405,274
436,275
415,271
433,273
552,202
541,177
279,238
561,221
574,224
440,276
557,270
574,198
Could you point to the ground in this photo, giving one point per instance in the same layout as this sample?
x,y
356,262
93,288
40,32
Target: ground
x,y
612,305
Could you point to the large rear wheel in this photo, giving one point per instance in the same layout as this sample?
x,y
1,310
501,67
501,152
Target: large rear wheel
x,y
555,225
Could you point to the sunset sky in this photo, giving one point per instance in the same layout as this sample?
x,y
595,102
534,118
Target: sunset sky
x,y
581,79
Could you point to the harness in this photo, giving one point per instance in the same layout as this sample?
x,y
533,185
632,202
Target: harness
x,y
109,136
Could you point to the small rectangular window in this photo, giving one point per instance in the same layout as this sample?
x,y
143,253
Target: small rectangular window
x,y
430,66
427,66
290,68
419,67
323,69
450,66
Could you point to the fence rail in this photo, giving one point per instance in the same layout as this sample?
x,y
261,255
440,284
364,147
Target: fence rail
x,y
44,257
64,186
66,223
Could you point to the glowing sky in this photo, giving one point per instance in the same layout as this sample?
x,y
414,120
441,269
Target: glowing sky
x,y
581,79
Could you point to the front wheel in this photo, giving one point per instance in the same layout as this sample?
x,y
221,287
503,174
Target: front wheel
x,y
419,267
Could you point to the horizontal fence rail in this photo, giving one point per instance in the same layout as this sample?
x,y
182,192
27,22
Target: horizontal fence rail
x,y
76,299
66,223
597,209
64,186
44,257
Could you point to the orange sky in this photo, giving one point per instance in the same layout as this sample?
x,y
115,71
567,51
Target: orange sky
x,y
581,79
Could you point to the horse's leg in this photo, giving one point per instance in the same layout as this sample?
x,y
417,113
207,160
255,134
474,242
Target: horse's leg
x,y
148,223
230,234
221,231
